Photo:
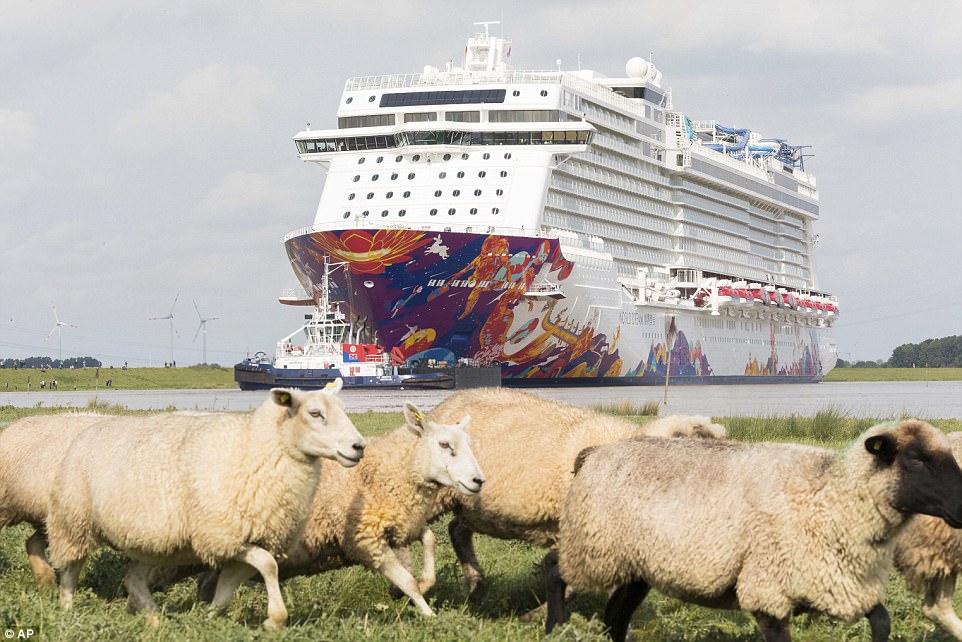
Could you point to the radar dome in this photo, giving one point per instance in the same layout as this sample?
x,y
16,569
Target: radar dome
x,y
636,68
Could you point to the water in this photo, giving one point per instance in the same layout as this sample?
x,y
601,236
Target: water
x,y
926,399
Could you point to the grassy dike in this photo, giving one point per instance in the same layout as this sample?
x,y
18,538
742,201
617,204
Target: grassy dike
x,y
353,604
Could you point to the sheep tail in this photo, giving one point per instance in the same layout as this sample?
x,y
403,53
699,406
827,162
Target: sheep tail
x,y
582,456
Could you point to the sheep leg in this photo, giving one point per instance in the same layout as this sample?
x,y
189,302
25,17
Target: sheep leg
x,y
68,582
138,588
404,556
37,555
937,605
392,569
773,629
879,623
428,577
463,543
621,606
233,575
554,592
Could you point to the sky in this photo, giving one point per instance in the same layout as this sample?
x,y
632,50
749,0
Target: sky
x,y
146,149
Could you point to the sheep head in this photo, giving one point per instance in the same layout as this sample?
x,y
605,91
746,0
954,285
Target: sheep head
x,y
924,476
318,424
446,454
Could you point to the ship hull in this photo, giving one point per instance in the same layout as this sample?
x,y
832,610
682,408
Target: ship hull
x,y
445,296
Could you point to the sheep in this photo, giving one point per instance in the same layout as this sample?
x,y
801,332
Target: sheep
x,y
928,554
371,514
527,446
30,452
222,489
766,528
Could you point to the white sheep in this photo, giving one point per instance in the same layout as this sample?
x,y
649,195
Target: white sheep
x,y
527,446
30,453
928,554
222,489
766,528
370,515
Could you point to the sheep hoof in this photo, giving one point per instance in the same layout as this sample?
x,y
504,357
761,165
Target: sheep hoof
x,y
153,620
46,579
273,625
395,592
476,593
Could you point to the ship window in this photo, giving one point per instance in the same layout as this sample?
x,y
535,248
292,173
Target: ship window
x,y
398,158
477,192
389,195
495,210
380,159
437,193
456,192
351,196
451,211
474,210
443,175
454,97
375,120
383,212
486,156
360,161
504,173
446,157
508,154
463,116
347,214
420,117
544,93
482,174
411,176
394,176
524,116
460,174
415,158
434,212
499,192
375,177
402,212
370,195
515,93
350,99
357,178
407,194
464,157
365,213
370,99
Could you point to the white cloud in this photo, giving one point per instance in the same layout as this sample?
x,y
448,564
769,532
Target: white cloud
x,y
213,96
886,105
240,191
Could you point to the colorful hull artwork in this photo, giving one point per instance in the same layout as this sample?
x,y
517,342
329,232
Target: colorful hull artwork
x,y
446,296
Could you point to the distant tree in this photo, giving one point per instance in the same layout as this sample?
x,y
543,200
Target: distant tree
x,y
47,362
867,364
842,363
931,353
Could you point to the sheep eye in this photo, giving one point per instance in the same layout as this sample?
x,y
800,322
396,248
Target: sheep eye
x,y
444,444
316,414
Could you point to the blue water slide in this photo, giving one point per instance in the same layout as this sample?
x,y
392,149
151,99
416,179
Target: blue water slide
x,y
740,143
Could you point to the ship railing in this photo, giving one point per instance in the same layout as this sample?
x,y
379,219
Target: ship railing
x,y
402,81
433,228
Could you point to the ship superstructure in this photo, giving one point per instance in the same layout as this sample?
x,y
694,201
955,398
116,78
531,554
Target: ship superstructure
x,y
572,227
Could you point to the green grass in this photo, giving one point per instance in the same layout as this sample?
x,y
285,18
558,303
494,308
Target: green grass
x,y
894,374
193,377
353,604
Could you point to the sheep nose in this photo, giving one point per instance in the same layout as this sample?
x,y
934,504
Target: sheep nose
x,y
359,447
479,481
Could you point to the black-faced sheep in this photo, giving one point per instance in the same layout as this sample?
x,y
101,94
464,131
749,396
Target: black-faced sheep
x,y
369,515
30,453
527,446
928,553
222,489
788,527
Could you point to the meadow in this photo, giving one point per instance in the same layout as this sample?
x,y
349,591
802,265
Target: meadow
x,y
353,603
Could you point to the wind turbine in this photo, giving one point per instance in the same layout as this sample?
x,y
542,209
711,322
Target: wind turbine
x,y
58,328
170,317
202,326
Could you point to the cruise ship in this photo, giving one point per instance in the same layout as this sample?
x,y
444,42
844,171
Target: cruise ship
x,y
572,227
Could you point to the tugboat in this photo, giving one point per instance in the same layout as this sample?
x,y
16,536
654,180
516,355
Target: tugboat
x,y
326,353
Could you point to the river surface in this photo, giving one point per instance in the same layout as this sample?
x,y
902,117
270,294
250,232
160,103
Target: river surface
x,y
926,399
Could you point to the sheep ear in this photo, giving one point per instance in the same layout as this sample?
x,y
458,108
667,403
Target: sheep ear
x,y
335,386
282,397
464,423
882,446
414,418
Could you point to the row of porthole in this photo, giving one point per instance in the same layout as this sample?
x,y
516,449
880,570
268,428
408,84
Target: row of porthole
x,y
442,175
417,157
434,212
371,99
437,193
